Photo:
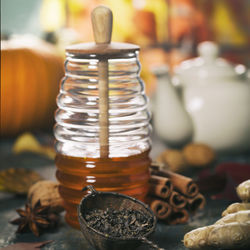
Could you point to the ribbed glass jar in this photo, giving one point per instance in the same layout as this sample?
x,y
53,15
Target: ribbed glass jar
x,y
77,130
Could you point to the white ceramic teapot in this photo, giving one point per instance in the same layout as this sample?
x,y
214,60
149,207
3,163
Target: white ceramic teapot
x,y
208,101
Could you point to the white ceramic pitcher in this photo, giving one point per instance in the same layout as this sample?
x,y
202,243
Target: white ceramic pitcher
x,y
208,100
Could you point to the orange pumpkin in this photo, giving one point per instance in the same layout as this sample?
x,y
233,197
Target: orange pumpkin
x,y
30,75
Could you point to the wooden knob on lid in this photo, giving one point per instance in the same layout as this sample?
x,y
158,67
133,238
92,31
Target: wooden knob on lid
x,y
102,20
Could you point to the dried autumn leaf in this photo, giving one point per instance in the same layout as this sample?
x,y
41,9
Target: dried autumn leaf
x,y
28,143
49,152
27,245
18,180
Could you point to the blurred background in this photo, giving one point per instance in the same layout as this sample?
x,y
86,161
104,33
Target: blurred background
x,y
35,33
215,93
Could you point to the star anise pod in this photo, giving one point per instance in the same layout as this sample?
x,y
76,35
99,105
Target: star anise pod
x,y
35,219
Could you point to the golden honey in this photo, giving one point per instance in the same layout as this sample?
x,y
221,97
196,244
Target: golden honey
x,y
127,175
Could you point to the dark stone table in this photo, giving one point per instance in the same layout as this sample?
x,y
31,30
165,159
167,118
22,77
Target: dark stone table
x,y
64,237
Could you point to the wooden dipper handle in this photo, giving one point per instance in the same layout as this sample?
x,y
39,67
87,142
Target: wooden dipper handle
x,y
102,19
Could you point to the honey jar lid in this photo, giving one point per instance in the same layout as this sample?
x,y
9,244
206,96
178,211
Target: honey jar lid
x,y
102,19
102,49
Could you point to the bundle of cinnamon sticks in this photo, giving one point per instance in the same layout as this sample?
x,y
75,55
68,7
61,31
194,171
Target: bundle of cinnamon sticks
x,y
172,197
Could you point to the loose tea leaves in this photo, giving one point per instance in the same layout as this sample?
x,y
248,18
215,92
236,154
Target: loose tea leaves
x,y
126,223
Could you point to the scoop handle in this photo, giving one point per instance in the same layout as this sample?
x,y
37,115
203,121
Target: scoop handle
x,y
150,243
102,20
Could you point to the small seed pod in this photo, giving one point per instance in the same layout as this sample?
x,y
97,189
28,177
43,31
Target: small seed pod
x,y
173,160
47,192
198,155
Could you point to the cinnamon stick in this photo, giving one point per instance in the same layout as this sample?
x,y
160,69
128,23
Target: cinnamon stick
x,y
183,184
178,216
161,209
156,165
160,180
160,191
198,202
177,200
160,186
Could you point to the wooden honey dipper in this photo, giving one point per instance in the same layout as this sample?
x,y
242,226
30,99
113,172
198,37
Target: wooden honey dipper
x,y
102,18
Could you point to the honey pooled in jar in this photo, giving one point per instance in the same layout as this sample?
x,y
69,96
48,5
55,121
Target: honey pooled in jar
x,y
127,175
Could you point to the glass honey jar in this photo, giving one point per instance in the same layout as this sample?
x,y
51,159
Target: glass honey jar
x,y
102,135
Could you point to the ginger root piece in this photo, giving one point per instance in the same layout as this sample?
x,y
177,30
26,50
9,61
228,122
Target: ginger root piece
x,y
226,236
47,192
197,238
240,217
230,236
230,232
173,160
198,154
243,191
235,207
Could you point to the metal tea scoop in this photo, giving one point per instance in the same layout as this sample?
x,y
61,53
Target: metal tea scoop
x,y
110,200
